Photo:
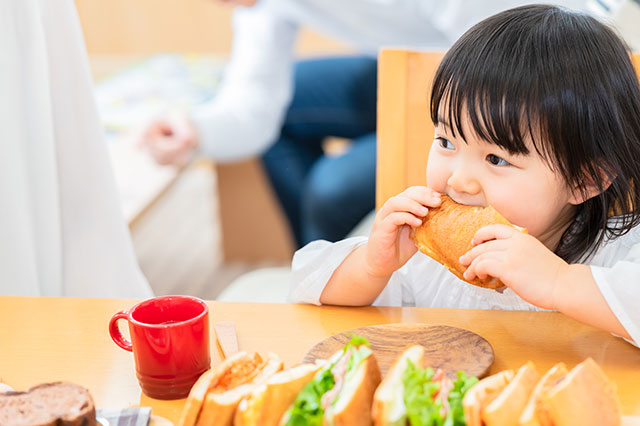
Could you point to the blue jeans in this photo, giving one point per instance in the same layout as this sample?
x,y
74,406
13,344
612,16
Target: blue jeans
x,y
324,197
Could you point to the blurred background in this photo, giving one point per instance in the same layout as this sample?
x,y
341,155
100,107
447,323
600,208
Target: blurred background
x,y
197,228
146,55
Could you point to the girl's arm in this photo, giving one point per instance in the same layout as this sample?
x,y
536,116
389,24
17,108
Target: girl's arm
x,y
351,284
366,271
539,276
577,295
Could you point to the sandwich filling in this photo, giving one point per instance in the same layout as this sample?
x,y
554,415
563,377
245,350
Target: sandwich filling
x,y
431,398
240,372
328,385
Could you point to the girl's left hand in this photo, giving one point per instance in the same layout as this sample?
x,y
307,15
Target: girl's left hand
x,y
519,260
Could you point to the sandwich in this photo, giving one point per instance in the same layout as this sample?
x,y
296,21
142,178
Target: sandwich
x,y
267,403
509,404
482,394
48,404
415,396
213,399
535,413
446,233
583,396
341,392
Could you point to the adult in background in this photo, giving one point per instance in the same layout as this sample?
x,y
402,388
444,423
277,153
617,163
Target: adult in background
x,y
273,106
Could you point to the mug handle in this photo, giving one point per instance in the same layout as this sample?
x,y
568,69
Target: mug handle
x,y
114,331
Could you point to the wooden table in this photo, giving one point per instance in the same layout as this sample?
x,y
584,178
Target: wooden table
x,y
48,339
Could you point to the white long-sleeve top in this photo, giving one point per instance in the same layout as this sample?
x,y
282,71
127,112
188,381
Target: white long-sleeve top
x,y
246,115
424,282
61,229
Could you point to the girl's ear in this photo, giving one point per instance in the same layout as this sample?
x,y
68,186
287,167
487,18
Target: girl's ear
x,y
590,187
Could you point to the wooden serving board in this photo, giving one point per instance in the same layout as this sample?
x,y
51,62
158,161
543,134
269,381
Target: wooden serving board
x,y
448,348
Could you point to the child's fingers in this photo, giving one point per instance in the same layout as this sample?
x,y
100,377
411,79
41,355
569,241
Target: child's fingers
x,y
404,204
424,195
479,250
407,203
493,232
486,265
397,219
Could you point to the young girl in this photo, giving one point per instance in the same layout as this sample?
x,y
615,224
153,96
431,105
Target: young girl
x,y
537,113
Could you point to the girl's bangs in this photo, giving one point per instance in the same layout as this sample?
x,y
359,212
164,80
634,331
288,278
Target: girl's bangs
x,y
501,105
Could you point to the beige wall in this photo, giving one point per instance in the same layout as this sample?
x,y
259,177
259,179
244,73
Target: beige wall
x,y
150,26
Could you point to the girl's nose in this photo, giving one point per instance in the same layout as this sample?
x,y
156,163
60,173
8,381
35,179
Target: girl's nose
x,y
462,181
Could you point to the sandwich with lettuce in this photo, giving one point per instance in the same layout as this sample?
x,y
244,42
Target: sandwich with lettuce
x,y
341,392
411,395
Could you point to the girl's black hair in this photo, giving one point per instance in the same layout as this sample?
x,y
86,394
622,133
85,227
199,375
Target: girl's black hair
x,y
565,82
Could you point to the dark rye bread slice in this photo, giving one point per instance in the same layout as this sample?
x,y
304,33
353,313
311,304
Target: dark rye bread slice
x,y
48,404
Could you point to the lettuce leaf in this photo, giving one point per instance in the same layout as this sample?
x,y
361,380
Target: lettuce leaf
x,y
307,409
419,391
460,387
360,350
356,341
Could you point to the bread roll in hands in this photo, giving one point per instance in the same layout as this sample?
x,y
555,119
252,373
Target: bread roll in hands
x,y
446,233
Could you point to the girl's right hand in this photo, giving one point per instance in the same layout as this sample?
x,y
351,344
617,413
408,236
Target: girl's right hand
x,y
389,246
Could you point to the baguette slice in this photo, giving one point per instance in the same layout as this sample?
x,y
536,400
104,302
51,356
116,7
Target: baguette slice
x,y
388,401
234,381
48,404
353,407
506,409
446,233
268,402
482,394
535,414
583,397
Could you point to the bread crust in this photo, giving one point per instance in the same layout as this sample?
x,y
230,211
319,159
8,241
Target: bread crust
x,y
585,396
446,233
482,394
48,404
506,409
357,411
216,394
268,402
535,413
381,409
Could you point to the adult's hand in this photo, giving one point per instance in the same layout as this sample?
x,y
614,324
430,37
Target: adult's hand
x,y
170,141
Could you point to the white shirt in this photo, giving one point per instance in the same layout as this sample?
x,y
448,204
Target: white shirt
x,y
62,232
246,115
424,282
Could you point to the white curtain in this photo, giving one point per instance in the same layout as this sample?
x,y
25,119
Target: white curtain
x,y
62,231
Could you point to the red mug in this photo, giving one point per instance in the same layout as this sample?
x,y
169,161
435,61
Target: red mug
x,y
169,341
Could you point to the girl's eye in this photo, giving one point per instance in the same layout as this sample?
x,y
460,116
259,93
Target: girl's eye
x,y
497,161
444,143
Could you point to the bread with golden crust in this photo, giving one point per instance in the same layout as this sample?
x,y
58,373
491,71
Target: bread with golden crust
x,y
388,403
535,413
482,394
506,409
446,233
215,396
354,408
583,397
268,402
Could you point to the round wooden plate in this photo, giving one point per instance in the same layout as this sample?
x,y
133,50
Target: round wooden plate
x,y
448,348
